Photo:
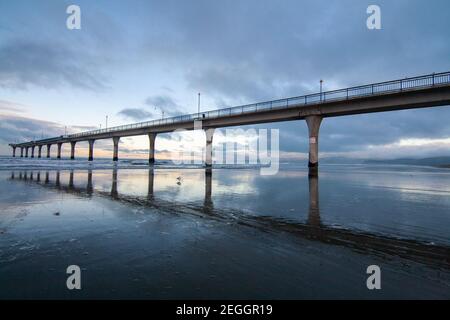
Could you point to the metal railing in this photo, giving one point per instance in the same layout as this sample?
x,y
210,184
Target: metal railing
x,y
393,86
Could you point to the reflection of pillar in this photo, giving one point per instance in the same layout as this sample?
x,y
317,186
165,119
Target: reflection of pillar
x,y
25,176
314,214
31,175
20,176
47,178
151,148
48,150
91,150
12,175
151,178
72,150
89,187
57,179
313,123
208,185
39,151
208,151
38,178
14,152
26,152
116,148
59,150
21,152
114,192
32,151
71,179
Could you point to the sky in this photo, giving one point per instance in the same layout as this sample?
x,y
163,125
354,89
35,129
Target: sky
x,y
133,60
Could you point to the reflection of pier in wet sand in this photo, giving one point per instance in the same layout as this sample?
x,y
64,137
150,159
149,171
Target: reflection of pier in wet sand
x,y
312,229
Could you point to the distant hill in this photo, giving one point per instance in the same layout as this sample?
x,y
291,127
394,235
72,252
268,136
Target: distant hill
x,y
443,162
341,160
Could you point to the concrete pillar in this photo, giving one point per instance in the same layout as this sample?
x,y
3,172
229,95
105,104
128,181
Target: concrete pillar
x,y
26,152
151,148
39,151
48,150
21,152
313,123
116,148
208,151
91,150
72,150
32,151
59,150
14,152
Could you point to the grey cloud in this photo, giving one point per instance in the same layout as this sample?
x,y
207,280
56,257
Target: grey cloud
x,y
11,106
84,128
135,114
19,129
165,103
48,65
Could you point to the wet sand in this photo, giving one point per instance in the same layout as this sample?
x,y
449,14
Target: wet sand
x,y
231,234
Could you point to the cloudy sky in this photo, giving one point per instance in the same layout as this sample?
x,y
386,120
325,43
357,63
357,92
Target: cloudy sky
x,y
133,59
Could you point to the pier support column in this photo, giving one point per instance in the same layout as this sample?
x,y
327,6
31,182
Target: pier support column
x,y
91,150
21,152
116,148
39,151
72,150
32,151
59,150
313,128
208,151
14,152
26,152
48,150
151,148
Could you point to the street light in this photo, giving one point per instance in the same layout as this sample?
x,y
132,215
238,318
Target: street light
x,y
198,105
106,122
162,111
321,82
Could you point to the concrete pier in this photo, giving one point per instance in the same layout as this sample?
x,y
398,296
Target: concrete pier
x,y
14,152
21,152
208,150
32,152
313,123
91,150
116,148
59,150
39,151
151,148
425,91
72,150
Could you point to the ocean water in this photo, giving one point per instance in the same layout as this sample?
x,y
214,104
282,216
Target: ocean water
x,y
185,232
